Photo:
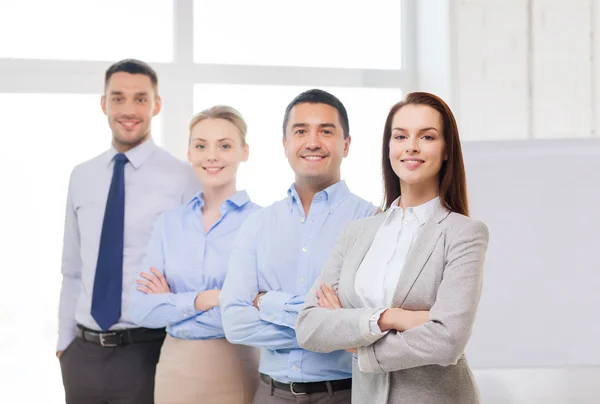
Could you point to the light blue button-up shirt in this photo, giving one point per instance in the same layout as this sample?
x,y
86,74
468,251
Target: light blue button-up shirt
x,y
192,261
281,251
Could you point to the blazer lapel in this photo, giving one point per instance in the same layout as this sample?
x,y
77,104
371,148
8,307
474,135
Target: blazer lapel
x,y
357,254
419,254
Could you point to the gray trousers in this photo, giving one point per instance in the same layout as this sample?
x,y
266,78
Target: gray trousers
x,y
267,394
97,375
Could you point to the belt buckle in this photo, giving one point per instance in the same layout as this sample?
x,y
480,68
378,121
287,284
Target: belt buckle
x,y
105,344
295,392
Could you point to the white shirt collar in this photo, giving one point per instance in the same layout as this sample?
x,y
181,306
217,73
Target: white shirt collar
x,y
423,212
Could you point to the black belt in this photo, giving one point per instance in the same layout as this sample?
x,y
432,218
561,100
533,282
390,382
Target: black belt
x,y
111,339
299,389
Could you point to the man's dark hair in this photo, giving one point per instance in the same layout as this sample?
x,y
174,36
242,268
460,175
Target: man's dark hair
x,y
132,66
316,96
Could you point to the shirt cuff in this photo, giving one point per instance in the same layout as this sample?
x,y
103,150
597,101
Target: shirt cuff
x,y
272,305
373,326
184,302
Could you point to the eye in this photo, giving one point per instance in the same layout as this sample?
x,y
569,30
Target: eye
x,y
327,132
199,146
399,137
226,146
300,132
117,99
141,100
428,137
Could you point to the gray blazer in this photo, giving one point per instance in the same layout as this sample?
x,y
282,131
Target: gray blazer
x,y
442,273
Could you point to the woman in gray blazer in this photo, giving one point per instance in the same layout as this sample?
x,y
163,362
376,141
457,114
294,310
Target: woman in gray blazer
x,y
400,289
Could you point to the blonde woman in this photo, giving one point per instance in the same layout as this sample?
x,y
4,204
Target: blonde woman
x,y
185,268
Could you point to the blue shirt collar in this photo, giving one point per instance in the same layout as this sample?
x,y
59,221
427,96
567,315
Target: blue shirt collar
x,y
332,195
236,201
138,155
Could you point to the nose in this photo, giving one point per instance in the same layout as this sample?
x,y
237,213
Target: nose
x,y
412,146
312,141
212,154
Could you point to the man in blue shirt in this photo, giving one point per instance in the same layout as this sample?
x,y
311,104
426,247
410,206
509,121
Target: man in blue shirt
x,y
112,204
279,251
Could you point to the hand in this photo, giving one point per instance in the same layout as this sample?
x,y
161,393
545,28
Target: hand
x,y
255,302
59,354
153,283
401,320
352,350
328,298
207,300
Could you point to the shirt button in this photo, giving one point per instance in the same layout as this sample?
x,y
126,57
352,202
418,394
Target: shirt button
x,y
301,280
304,249
271,318
303,220
294,368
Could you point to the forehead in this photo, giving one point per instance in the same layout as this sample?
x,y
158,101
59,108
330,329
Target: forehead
x,y
315,114
213,129
129,83
417,116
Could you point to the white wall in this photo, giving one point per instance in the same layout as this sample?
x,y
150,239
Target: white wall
x,y
526,68
517,69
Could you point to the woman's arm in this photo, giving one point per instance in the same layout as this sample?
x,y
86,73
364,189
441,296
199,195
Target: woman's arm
x,y
442,340
321,329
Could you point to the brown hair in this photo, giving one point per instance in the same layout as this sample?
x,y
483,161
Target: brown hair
x,y
224,112
132,66
453,184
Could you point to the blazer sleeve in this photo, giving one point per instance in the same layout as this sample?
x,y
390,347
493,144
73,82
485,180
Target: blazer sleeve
x,y
324,330
442,340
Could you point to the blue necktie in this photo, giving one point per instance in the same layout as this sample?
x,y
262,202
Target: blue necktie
x,y
108,281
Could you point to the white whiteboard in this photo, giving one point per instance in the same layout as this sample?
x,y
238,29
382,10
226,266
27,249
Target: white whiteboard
x,y
541,294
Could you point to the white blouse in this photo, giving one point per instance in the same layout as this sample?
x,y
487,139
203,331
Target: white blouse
x,y
377,277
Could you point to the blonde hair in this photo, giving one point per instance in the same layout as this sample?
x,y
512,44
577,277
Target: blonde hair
x,y
224,112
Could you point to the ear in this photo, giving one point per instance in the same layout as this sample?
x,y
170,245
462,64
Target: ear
x,y
284,143
157,105
103,104
347,145
246,153
189,153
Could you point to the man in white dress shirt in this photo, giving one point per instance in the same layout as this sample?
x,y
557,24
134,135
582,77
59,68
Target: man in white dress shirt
x,y
113,202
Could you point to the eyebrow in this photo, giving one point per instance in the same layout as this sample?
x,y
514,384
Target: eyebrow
x,y
219,140
420,130
140,93
321,125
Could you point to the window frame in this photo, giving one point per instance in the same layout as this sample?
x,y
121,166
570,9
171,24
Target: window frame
x,y
177,78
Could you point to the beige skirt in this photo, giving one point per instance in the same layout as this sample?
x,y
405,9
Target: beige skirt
x,y
205,371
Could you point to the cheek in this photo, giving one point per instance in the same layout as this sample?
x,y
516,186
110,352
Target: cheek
x,y
395,152
195,157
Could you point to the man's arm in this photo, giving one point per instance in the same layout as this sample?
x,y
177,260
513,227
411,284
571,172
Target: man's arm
x,y
242,322
71,272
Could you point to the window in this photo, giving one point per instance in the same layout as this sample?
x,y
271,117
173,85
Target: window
x,y
313,33
52,59
263,109
87,30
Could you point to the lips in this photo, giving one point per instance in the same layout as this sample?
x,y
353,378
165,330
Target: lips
x,y
412,163
213,170
313,157
128,124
